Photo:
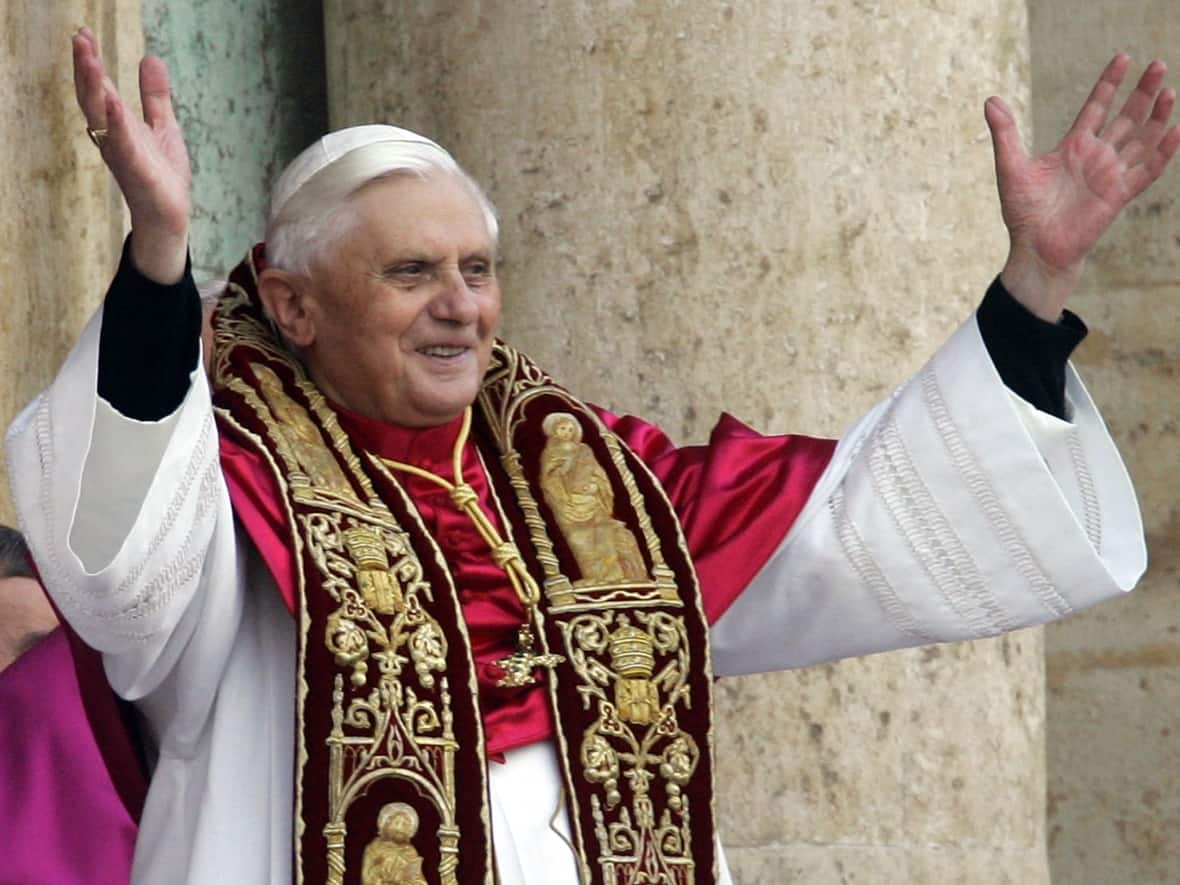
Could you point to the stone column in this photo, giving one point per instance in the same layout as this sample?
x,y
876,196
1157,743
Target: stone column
x,y
61,221
1113,704
779,209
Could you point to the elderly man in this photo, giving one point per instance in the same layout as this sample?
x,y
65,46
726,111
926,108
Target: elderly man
x,y
26,617
364,577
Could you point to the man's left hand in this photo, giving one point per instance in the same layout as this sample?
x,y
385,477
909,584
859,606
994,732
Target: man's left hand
x,y
1057,205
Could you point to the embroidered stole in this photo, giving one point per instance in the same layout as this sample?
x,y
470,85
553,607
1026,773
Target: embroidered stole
x,y
390,780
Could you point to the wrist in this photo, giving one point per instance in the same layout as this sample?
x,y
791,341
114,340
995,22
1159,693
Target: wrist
x,y
160,257
1041,289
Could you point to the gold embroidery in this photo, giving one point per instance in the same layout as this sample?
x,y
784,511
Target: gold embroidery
x,y
636,697
512,382
349,645
614,750
625,632
579,492
305,442
391,731
378,585
391,858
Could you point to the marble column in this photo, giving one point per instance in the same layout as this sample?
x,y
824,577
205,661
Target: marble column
x,y
61,221
1113,701
778,208
249,82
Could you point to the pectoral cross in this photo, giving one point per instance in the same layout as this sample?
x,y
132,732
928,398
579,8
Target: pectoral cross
x,y
520,666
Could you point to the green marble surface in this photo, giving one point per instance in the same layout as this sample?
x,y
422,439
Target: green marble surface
x,y
248,82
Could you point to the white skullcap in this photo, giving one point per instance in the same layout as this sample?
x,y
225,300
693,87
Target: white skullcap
x,y
376,138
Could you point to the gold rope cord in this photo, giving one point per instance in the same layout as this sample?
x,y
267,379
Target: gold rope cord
x,y
520,667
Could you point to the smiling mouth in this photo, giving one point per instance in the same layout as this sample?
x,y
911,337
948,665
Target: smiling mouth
x,y
442,350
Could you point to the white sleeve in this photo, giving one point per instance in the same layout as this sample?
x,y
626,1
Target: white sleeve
x,y
131,528
953,510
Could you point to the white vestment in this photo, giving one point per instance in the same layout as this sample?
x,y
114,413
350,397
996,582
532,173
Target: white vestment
x,y
954,510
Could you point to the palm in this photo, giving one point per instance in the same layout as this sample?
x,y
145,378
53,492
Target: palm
x,y
1057,205
153,171
1061,202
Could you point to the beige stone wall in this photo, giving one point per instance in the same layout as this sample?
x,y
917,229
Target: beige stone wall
x,y
61,223
1113,705
777,208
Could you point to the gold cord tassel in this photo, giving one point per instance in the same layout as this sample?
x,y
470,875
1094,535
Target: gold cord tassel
x,y
520,667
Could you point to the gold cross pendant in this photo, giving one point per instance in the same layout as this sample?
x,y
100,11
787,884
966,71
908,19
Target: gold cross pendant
x,y
520,666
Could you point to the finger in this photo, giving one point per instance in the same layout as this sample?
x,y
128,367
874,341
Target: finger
x,y
83,41
1006,143
118,140
1152,132
1170,144
1159,159
155,94
1157,125
89,77
1138,105
120,148
1155,162
1093,113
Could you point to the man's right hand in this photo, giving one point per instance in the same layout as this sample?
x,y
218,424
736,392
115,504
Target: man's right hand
x,y
147,157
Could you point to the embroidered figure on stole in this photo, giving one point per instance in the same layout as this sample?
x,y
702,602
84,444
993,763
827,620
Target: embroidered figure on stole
x,y
391,858
579,493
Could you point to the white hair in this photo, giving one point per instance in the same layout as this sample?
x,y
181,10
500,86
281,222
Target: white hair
x,y
310,206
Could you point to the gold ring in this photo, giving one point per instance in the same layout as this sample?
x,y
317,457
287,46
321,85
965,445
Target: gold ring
x,y
98,136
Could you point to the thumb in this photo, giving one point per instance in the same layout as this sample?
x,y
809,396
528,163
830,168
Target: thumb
x,y
1009,149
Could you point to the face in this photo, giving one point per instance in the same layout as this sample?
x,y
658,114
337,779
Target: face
x,y
25,617
402,826
403,313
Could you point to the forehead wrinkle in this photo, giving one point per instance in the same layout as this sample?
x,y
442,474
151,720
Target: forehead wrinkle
x,y
453,212
438,236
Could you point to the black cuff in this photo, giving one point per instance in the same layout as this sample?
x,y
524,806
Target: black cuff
x,y
1029,353
149,343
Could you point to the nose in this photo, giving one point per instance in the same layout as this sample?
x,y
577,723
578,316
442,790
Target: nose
x,y
454,302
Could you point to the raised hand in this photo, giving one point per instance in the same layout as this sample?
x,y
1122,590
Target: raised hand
x,y
146,156
1057,205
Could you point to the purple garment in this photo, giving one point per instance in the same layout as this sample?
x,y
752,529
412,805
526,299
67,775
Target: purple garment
x,y
61,820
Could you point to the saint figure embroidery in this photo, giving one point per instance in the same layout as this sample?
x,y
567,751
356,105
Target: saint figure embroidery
x,y
298,439
579,493
391,859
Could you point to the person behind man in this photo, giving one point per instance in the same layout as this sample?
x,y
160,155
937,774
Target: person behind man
x,y
346,527
61,819
26,617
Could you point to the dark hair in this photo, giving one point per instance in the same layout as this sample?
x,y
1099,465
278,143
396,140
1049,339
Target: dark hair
x,y
14,554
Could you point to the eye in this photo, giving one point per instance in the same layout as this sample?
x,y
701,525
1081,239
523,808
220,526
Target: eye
x,y
408,269
408,273
478,271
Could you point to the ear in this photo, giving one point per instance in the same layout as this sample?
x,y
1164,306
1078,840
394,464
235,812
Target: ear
x,y
285,298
